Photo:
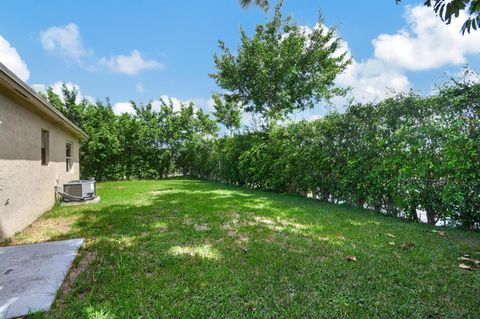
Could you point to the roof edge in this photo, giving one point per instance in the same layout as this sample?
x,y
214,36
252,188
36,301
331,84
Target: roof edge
x,y
38,101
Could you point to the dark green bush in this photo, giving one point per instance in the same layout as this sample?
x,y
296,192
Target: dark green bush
x,y
401,156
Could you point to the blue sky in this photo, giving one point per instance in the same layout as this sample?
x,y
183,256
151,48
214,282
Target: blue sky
x,y
143,50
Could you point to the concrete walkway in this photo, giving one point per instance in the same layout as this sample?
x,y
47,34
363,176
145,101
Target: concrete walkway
x,y
30,275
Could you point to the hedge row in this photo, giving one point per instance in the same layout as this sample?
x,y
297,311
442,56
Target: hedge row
x,y
401,156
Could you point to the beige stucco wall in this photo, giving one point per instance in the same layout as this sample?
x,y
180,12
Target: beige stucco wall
x,y
27,187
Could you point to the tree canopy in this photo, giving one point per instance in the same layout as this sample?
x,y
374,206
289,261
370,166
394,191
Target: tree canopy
x,y
281,68
402,156
150,143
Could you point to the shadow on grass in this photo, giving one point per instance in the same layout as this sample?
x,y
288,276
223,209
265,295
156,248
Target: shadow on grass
x,y
159,238
186,248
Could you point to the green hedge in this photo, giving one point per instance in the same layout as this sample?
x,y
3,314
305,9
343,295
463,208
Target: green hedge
x,y
399,156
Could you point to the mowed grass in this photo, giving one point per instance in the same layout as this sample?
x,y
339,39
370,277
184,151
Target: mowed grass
x,y
192,249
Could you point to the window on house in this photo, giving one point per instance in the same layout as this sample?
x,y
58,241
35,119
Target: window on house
x,y
68,156
44,147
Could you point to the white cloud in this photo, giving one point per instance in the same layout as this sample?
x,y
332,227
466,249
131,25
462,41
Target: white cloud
x,y
123,107
199,103
126,107
129,64
372,80
139,87
64,40
57,89
469,76
205,104
368,80
166,99
426,43
12,60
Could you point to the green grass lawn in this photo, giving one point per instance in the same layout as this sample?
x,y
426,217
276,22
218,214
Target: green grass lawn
x,y
192,249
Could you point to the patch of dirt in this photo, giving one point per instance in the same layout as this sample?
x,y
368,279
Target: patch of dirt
x,y
244,238
271,239
160,191
44,229
85,260
162,229
201,227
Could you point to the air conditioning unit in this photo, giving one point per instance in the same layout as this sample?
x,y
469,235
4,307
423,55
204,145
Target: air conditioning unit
x,y
84,189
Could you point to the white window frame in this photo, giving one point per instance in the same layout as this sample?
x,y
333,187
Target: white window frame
x,y
69,159
44,147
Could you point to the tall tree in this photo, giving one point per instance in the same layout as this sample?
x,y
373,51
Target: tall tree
x,y
280,69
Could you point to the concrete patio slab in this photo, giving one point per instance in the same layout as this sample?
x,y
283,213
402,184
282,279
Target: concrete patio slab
x,y
30,275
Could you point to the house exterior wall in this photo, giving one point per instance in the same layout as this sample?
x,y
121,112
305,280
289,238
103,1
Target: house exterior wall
x,y
26,186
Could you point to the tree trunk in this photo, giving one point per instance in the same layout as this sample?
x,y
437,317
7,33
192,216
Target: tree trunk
x,y
430,216
413,214
360,203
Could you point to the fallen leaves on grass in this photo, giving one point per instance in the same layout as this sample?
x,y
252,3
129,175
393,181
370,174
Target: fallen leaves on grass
x,y
391,235
351,258
441,233
465,267
244,238
467,258
201,227
407,246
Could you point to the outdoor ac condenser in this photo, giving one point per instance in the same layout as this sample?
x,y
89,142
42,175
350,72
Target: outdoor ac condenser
x,y
81,188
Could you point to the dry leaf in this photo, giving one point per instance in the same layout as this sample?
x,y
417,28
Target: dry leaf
x,y
392,243
465,267
441,233
475,261
406,246
351,258
391,235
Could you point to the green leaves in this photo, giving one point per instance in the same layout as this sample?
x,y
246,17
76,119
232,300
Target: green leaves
x,y
280,69
450,9
400,156
260,3
151,143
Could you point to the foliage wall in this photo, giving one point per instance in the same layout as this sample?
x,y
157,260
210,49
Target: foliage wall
x,y
150,143
399,156
402,155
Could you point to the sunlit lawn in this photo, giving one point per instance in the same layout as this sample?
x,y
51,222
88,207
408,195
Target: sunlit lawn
x,y
194,249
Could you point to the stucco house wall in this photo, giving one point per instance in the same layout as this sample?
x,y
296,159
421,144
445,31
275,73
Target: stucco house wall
x,y
27,188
